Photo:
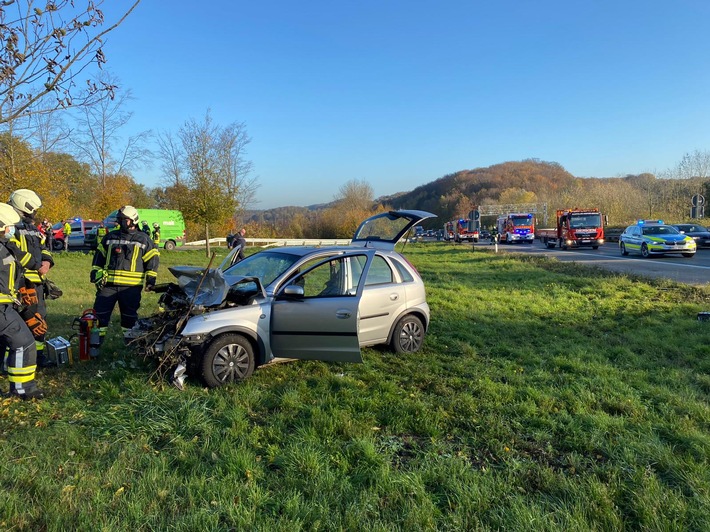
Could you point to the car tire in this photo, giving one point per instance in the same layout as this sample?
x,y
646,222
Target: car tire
x,y
623,249
595,247
689,255
645,253
408,335
57,245
169,245
228,359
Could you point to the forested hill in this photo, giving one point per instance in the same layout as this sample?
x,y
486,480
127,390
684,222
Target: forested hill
x,y
511,182
451,196
622,199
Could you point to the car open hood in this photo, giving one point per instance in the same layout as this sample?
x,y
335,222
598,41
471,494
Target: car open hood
x,y
384,230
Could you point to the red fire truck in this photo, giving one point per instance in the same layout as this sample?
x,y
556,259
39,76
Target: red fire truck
x,y
575,228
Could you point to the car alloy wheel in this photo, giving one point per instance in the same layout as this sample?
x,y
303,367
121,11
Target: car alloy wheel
x,y
623,249
644,251
228,359
408,335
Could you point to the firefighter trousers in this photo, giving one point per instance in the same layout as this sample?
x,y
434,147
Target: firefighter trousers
x,y
128,299
22,354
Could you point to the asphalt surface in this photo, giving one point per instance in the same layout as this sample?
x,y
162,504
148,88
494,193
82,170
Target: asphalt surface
x,y
693,271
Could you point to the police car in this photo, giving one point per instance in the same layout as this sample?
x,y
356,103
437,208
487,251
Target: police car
x,y
653,237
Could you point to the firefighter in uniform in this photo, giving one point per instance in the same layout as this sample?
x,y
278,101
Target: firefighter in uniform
x,y
32,241
14,333
156,234
124,261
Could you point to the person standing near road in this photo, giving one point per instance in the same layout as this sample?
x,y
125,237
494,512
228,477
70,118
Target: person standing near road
x,y
124,261
156,234
32,241
67,232
15,335
239,240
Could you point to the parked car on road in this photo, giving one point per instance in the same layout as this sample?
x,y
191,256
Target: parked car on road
x,y
697,232
79,229
319,303
655,238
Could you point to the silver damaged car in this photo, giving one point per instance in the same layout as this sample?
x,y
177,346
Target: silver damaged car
x,y
312,303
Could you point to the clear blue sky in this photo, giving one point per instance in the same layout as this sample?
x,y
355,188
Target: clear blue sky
x,y
400,93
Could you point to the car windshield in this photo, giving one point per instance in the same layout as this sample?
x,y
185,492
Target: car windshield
x,y
660,230
585,221
267,266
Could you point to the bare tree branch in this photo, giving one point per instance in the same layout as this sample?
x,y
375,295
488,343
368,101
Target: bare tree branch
x,y
45,49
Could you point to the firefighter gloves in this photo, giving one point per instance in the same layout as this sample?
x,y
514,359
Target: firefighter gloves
x,y
37,325
28,297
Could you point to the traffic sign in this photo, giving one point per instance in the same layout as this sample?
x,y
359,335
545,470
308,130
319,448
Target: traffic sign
x,y
698,200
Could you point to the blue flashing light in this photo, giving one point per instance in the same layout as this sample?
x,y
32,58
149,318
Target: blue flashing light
x,y
644,222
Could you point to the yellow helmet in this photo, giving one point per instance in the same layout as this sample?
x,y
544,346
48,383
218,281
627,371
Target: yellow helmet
x,y
8,215
25,200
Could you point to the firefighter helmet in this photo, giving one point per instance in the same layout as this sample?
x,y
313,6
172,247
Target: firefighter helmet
x,y
25,200
8,216
155,225
130,212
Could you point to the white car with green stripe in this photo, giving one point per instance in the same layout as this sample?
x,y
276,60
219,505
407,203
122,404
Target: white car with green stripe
x,y
655,238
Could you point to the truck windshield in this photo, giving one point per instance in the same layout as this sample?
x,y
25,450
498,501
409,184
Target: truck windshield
x,y
521,221
586,221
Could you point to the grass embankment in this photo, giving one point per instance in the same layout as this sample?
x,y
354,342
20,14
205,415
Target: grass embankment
x,y
547,397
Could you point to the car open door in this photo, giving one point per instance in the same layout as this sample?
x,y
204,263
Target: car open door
x,y
315,316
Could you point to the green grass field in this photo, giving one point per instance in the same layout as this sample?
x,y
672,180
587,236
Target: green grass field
x,y
547,397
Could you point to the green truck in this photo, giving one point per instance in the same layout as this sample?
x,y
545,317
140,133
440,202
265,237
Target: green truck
x,y
172,226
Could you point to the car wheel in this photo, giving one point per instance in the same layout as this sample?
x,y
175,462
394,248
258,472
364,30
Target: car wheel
x,y
644,251
623,249
169,245
689,255
57,245
228,359
408,335
595,247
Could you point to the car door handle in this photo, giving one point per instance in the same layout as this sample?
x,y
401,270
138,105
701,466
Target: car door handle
x,y
343,314
394,297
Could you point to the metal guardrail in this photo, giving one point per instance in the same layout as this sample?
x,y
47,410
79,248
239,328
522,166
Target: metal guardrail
x,y
270,242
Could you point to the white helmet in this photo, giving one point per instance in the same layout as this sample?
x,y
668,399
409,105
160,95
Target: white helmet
x,y
155,224
25,200
130,212
8,216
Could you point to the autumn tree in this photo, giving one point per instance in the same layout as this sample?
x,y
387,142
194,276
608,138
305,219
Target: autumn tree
x,y
207,163
353,203
46,49
20,167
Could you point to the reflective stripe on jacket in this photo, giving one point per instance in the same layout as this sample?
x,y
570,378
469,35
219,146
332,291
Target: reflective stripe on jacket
x,y
9,269
32,241
127,258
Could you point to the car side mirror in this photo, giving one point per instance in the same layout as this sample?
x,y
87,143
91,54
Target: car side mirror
x,y
293,290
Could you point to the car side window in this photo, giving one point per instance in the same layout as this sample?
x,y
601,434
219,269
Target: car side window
x,y
379,273
403,272
330,279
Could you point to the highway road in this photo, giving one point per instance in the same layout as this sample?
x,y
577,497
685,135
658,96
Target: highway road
x,y
695,271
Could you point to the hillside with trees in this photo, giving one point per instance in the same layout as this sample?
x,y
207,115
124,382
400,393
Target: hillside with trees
x,y
623,199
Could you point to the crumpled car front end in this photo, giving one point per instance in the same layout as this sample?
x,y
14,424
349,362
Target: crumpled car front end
x,y
200,305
